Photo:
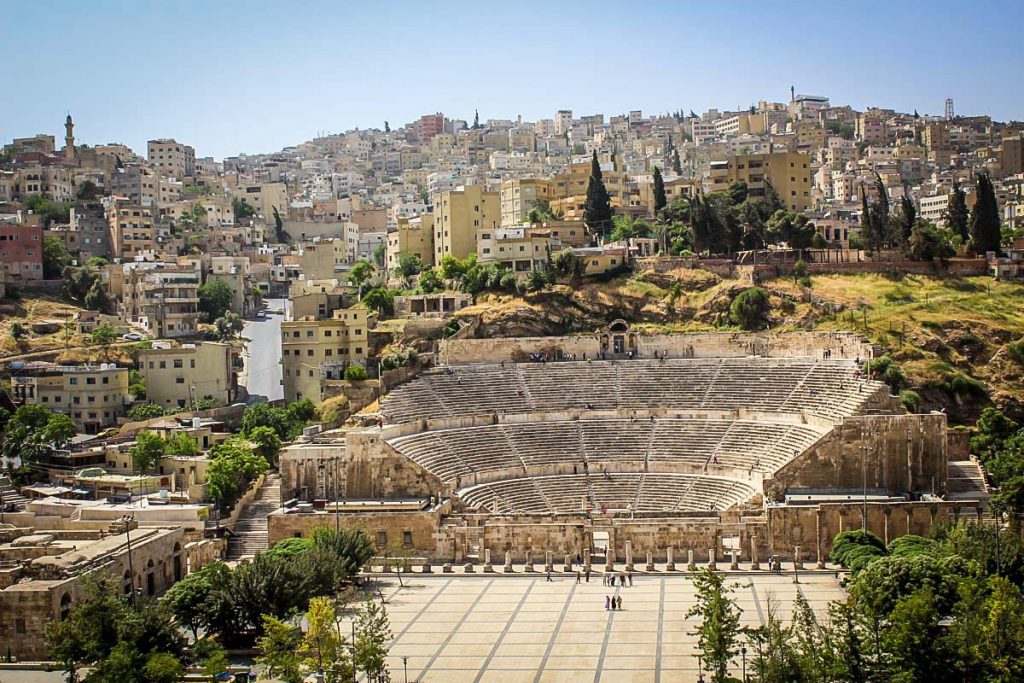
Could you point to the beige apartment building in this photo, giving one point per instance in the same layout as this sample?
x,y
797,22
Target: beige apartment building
x,y
935,138
93,396
788,172
161,297
519,196
458,215
133,231
49,180
177,377
411,235
263,198
519,250
170,157
316,350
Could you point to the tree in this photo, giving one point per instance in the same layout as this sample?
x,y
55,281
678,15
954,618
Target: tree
x,y
430,281
597,212
241,209
147,451
268,443
749,309
87,191
875,216
215,298
234,466
145,411
187,599
59,430
229,325
97,298
660,200
265,415
568,264
279,234
25,434
906,218
279,650
373,633
381,300
913,641
103,336
957,213
193,217
409,264
719,629
181,444
55,257
630,228
540,212
323,648
984,222
476,120
737,192
361,273
211,657
928,243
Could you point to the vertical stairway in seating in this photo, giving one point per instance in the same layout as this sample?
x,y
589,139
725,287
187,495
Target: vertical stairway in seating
x,y
250,535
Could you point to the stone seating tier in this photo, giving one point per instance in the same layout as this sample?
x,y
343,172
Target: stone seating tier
x,y
639,492
599,444
824,388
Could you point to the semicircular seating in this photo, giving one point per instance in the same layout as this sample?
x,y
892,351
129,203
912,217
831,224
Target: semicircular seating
x,y
639,492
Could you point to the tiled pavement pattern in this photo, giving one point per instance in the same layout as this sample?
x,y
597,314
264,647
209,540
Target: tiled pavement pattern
x,y
522,629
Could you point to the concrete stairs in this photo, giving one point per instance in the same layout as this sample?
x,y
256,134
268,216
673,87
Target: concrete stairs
x,y
967,481
250,532
10,496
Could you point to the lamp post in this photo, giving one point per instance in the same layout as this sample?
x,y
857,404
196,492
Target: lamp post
x,y
405,668
337,510
743,653
700,669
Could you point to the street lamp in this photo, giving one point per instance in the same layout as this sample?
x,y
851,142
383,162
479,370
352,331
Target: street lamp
x,y
127,520
743,652
700,669
405,668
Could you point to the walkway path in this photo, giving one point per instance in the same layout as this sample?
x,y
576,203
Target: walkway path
x,y
250,536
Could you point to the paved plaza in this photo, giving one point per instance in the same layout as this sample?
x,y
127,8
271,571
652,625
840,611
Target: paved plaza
x,y
513,629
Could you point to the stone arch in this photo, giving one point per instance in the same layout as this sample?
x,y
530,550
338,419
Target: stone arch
x,y
618,325
127,582
177,562
150,579
65,606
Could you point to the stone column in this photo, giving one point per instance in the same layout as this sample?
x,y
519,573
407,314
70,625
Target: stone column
x,y
690,565
819,531
586,560
487,561
734,564
650,562
629,556
754,564
529,563
609,565
548,561
669,556
568,563
711,560
797,563
508,562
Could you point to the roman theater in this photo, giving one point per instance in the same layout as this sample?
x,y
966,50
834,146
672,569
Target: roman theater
x,y
627,449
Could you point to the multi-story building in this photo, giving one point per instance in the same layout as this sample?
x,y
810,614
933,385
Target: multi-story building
x,y
934,208
788,173
458,215
161,297
412,236
49,180
89,221
93,396
935,138
177,377
170,157
519,250
563,121
21,251
519,196
429,125
265,198
133,232
313,351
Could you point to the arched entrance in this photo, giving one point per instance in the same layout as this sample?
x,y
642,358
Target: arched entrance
x,y
127,582
65,606
150,579
177,562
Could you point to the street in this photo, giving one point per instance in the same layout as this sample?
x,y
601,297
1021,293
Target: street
x,y
262,373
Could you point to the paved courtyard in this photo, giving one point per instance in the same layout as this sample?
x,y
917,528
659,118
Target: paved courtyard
x,y
513,629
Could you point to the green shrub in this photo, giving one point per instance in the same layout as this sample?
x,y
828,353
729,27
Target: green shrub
x,y
909,545
847,545
910,400
1016,351
355,373
965,385
888,371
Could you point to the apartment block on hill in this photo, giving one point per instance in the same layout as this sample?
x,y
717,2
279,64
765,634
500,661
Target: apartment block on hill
x,y
313,351
161,298
93,396
177,377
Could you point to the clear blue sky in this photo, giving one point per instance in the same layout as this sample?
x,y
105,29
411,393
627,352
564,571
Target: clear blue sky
x,y
254,76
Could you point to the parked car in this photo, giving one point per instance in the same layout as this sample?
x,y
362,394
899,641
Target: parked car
x,y
132,336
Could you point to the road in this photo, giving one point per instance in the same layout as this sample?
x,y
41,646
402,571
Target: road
x,y
262,373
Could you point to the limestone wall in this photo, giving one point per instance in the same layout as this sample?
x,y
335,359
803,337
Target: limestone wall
x,y
900,453
694,345
423,526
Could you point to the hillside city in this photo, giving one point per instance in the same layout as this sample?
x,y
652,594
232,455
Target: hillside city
x,y
331,412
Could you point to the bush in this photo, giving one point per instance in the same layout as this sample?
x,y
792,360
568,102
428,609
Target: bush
x,y
846,546
145,411
888,371
355,373
910,545
910,400
1016,351
965,385
749,309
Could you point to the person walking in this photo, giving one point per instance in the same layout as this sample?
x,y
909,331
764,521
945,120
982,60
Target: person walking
x,y
588,576
549,577
620,601
630,576
607,602
577,577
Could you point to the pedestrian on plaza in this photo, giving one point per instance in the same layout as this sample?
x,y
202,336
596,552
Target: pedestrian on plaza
x,y
577,577
620,601
588,576
549,577
607,602
630,575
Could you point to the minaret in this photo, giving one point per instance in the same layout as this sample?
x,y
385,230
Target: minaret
x,y
69,139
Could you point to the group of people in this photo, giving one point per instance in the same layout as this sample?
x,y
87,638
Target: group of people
x,y
610,578
613,602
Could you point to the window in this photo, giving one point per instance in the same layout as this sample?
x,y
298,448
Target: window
x,y
163,365
406,539
179,380
192,363
178,363
72,380
382,539
19,626
106,380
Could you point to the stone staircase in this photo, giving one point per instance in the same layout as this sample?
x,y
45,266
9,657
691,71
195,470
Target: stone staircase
x,y
250,533
10,496
967,481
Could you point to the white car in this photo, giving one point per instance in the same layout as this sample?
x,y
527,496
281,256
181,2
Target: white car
x,y
132,336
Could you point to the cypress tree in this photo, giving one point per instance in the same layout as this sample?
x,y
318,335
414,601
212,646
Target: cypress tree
x,y
957,213
597,212
659,191
905,221
985,229
476,119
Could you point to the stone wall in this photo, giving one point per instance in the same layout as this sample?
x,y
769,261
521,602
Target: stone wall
x,y
422,524
695,345
900,454
813,527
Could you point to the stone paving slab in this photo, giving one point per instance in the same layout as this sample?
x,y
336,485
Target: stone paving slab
x,y
494,628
